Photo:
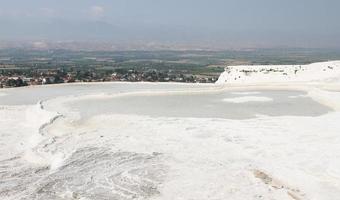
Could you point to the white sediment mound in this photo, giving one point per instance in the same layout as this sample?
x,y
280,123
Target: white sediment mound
x,y
254,74
247,99
246,93
21,130
332,99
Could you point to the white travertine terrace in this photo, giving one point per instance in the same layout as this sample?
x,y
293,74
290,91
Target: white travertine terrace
x,y
255,74
48,151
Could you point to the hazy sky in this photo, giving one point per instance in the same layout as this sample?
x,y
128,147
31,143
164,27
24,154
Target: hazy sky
x,y
300,23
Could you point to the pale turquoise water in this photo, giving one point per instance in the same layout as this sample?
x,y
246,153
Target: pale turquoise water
x,y
31,95
203,105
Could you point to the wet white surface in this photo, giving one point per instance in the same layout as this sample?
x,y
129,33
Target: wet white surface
x,y
222,104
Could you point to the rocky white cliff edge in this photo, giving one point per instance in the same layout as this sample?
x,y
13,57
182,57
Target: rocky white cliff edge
x,y
322,72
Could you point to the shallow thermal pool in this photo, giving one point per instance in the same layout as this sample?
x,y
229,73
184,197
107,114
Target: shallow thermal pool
x,y
31,95
225,104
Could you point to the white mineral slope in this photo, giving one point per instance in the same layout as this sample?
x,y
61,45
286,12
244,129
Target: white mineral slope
x,y
282,158
323,72
21,131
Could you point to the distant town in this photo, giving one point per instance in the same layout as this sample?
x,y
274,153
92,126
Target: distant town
x,y
19,78
26,66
